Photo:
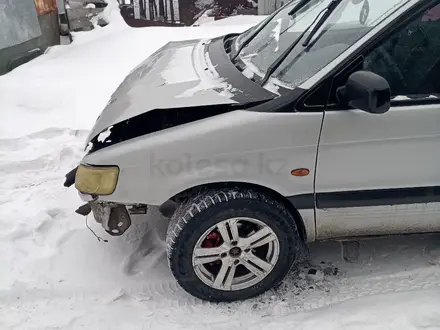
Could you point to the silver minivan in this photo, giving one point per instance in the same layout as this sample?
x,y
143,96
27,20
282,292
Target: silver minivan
x,y
320,123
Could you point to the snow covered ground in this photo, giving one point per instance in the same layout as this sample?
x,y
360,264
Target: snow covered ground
x,y
54,274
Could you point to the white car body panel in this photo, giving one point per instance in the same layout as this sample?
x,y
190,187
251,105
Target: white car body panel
x,y
377,220
360,152
263,150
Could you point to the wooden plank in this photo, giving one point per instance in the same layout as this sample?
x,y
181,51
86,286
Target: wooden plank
x,y
45,6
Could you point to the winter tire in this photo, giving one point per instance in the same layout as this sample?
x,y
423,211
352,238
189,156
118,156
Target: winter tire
x,y
231,244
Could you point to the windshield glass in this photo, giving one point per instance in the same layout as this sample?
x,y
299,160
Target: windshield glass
x,y
349,22
243,36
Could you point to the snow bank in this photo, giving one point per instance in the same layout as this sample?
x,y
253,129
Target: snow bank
x,y
237,20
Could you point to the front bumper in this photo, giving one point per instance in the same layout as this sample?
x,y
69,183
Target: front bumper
x,y
113,217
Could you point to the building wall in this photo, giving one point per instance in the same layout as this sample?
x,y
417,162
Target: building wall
x,y
27,28
18,22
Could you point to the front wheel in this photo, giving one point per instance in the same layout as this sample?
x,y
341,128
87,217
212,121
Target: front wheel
x,y
231,244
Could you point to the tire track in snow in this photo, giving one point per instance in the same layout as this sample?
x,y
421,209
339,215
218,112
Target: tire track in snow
x,y
300,294
370,276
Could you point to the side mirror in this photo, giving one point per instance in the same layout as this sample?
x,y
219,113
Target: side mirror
x,y
366,91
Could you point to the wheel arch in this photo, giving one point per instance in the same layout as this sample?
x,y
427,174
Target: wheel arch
x,y
273,193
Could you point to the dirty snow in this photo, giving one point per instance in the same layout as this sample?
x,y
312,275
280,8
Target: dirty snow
x,y
56,275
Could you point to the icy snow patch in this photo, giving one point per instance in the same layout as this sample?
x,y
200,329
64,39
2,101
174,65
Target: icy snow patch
x,y
406,98
209,80
88,147
248,73
180,68
271,87
277,31
105,134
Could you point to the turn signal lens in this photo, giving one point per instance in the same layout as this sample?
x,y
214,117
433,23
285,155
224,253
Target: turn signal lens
x,y
300,172
96,180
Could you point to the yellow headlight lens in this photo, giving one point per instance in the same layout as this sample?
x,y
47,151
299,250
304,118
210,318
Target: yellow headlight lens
x,y
96,180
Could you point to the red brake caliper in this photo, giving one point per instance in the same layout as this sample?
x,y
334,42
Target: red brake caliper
x,y
213,239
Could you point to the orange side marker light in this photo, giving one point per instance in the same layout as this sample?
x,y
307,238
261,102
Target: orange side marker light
x,y
300,172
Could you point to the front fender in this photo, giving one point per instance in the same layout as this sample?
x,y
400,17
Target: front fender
x,y
239,146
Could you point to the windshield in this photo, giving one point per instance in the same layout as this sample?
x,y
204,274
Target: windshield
x,y
349,22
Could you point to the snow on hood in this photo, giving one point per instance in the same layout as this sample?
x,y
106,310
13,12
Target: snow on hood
x,y
178,75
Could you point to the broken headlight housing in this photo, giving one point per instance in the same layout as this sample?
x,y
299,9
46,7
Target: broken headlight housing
x,y
96,180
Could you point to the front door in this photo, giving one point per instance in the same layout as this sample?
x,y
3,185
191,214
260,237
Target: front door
x,y
380,174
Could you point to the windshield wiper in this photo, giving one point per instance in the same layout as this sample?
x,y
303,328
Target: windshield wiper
x,y
253,35
300,5
329,10
275,64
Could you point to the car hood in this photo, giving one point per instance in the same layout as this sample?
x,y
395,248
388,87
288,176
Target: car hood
x,y
178,75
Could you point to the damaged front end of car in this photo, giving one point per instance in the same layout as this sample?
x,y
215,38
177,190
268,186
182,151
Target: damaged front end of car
x,y
181,84
92,181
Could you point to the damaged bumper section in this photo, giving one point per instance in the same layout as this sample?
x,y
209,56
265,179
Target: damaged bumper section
x,y
70,177
114,218
91,182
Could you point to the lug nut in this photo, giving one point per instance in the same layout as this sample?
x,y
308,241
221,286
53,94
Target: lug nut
x,y
247,250
223,255
233,243
236,262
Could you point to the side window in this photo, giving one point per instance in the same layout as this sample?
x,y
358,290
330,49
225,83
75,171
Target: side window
x,y
410,58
